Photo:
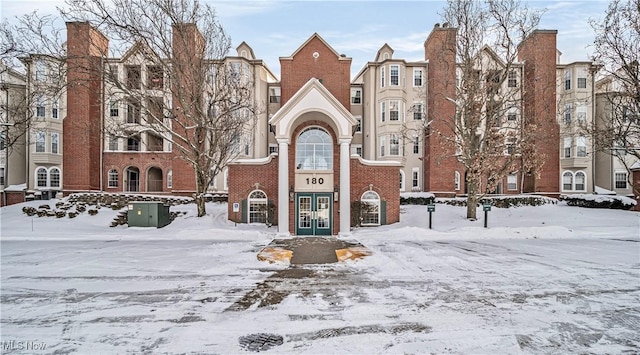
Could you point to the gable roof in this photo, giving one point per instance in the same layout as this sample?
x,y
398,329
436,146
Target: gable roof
x,y
385,47
317,36
312,97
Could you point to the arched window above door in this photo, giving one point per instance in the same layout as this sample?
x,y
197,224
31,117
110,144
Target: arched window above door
x,y
314,150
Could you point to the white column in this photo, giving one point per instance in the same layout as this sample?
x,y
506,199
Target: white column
x,y
283,187
345,187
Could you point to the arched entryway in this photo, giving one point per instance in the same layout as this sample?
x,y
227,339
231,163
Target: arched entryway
x,y
154,179
132,179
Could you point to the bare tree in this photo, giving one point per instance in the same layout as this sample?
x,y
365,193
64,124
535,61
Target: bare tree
x,y
489,133
617,51
191,97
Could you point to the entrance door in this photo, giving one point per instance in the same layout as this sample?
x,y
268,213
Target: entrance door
x,y
313,213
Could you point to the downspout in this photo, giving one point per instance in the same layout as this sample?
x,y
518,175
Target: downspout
x,y
593,119
102,117
28,111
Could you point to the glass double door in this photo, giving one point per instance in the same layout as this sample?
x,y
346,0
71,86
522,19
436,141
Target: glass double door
x,y
313,213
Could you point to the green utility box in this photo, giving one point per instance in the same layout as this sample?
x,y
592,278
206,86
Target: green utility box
x,y
148,214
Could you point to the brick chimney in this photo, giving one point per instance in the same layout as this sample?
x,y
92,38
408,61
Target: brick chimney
x,y
86,49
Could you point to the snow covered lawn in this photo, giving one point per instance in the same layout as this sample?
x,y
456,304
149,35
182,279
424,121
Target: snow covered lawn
x,y
547,279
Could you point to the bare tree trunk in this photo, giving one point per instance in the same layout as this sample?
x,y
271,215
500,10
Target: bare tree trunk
x,y
472,200
201,189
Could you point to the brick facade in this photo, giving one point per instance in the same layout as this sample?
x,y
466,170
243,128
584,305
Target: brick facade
x,y
333,70
439,161
121,161
384,180
246,177
538,51
86,48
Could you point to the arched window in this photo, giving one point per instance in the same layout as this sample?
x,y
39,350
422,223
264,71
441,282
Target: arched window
x,y
170,179
41,177
401,180
456,180
54,177
112,178
580,180
314,150
257,207
370,208
567,181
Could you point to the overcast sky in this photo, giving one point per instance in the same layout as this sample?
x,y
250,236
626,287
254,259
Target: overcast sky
x,y
276,28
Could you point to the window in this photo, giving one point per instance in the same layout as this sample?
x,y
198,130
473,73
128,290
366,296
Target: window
x,y
155,77
314,150
582,83
382,142
511,146
417,111
41,177
257,202
155,110
415,174
370,208
567,113
580,181
54,177
274,95
2,176
113,142
356,96
383,111
581,145
133,76
133,144
273,149
621,179
401,180
114,109
417,77
170,179
512,114
394,145
581,113
394,113
456,181
567,181
54,142
567,147
567,79
358,124
416,145
41,71
512,182
2,140
113,72
133,111
359,151
54,109
40,102
512,80
155,143
394,75
382,76
112,178
40,142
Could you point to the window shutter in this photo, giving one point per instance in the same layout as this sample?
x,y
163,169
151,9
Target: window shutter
x,y
244,212
383,212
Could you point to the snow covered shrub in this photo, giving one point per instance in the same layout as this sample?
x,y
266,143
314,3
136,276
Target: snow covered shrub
x,y
599,201
502,201
416,198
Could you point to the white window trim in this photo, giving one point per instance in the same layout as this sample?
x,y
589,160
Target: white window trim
x,y
354,92
403,181
374,201
515,177
170,179
415,70
264,201
414,171
456,180
585,181
562,180
399,81
382,146
626,180
382,77
109,180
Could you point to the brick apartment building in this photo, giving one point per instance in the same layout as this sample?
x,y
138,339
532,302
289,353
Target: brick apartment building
x,y
328,151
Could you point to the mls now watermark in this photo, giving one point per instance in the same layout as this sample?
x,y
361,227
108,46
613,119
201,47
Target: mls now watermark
x,y
18,345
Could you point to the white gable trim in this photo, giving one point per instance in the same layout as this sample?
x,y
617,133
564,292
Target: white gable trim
x,y
312,97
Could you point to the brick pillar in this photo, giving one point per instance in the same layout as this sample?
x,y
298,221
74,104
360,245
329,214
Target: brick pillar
x,y
81,137
538,52
439,162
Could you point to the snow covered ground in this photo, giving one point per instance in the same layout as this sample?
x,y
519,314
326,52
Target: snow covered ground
x,y
548,279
